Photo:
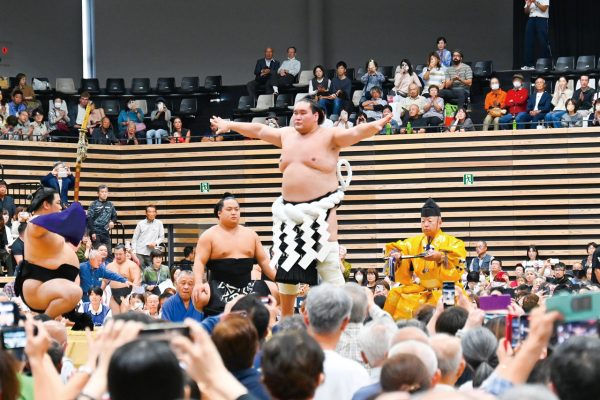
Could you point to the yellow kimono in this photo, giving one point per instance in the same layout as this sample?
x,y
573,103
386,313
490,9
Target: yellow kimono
x,y
403,300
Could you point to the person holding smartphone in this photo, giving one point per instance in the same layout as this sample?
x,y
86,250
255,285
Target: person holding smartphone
x,y
134,114
60,179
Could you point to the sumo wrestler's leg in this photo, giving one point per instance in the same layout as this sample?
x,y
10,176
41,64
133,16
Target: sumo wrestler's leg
x,y
56,296
287,295
329,269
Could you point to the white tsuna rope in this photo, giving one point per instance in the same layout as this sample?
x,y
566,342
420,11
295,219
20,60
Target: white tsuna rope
x,y
288,216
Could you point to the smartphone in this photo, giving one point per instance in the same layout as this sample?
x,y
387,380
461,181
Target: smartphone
x,y
13,338
576,307
9,314
164,332
448,293
501,302
62,172
517,329
565,330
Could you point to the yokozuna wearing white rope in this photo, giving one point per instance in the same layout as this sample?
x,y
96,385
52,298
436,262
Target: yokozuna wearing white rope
x,y
304,218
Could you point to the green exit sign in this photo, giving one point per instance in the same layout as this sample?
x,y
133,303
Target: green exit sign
x,y
468,179
204,187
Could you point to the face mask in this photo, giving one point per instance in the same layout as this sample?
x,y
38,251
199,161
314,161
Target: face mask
x,y
570,107
358,277
495,86
517,84
57,104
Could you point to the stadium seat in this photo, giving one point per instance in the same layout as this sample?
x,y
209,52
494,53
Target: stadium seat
x,y
213,82
360,72
585,64
331,73
188,107
283,102
299,96
264,102
115,86
45,81
259,120
356,96
304,78
419,68
65,85
350,73
564,65
543,65
189,84
91,85
483,69
111,107
165,85
143,104
140,86
387,71
244,105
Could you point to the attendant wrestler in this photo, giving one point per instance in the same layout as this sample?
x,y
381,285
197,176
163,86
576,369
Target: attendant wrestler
x,y
127,269
421,278
304,217
228,251
48,281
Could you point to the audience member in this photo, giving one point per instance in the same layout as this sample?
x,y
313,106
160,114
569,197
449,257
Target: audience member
x,y
433,110
99,312
462,122
403,77
152,306
320,85
263,70
101,218
479,351
594,118
516,101
561,94
93,272
374,106
536,31
444,55
482,261
584,96
498,277
28,93
58,116
77,114
155,274
160,120
405,373
16,104
434,73
179,307
96,115
327,316
17,248
341,92
40,130
24,129
3,107
391,127
104,133
495,105
371,79
412,122
533,258
286,74
6,202
537,107
148,235
424,352
343,121
581,354
134,114
130,135
571,119
459,78
448,351
60,179
413,98
184,135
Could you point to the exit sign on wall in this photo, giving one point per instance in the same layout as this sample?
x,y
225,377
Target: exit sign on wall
x,y
468,179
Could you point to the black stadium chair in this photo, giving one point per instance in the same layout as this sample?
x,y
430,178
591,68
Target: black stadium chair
x,y
331,73
165,85
585,64
188,107
564,65
419,68
115,86
213,82
90,85
350,73
360,72
387,71
543,65
111,107
483,69
140,86
283,101
189,84
244,104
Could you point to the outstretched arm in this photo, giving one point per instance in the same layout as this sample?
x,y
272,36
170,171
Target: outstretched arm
x,y
248,129
348,137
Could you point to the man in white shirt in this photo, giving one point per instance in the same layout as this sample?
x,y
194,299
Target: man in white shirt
x,y
149,234
327,314
286,74
536,29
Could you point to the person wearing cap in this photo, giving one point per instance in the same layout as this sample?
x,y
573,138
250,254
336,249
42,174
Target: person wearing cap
x,y
272,120
159,125
439,258
516,101
459,78
537,107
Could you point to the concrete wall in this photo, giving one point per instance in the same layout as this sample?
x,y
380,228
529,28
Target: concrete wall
x,y
150,38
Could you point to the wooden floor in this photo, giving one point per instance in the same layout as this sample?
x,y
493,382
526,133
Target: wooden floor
x,y
538,187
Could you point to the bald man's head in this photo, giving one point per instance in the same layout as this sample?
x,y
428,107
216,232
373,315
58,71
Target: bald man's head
x,y
410,333
448,351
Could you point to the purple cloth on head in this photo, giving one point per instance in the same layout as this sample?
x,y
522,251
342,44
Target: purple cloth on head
x,y
69,223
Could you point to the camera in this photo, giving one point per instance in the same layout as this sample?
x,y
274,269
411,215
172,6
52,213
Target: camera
x,y
164,331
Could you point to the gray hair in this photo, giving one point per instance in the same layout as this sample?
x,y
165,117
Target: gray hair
x,y
183,273
479,344
93,254
327,306
375,340
448,351
421,350
359,302
529,392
